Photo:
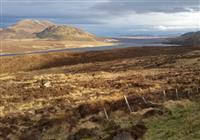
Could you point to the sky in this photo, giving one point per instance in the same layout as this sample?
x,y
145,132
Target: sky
x,y
110,17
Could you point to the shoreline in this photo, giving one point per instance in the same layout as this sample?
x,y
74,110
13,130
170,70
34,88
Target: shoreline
x,y
84,49
77,50
20,47
45,46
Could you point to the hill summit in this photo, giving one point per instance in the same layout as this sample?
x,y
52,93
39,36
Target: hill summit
x,y
30,26
64,32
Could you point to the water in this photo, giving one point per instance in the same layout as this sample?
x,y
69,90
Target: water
x,y
122,43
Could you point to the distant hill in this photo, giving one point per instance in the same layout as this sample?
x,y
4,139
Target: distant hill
x,y
24,29
189,39
29,28
64,32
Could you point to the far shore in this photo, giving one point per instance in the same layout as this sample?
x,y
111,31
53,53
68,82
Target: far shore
x,y
145,37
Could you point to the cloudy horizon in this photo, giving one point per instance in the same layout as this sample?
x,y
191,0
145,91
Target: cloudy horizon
x,y
110,17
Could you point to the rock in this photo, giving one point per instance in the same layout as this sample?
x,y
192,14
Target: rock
x,y
47,84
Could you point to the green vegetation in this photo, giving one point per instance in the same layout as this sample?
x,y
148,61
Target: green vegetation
x,y
182,124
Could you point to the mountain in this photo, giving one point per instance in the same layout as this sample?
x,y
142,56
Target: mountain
x,y
24,29
64,32
30,28
188,39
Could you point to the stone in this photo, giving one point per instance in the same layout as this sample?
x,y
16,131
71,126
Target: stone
x,y
47,84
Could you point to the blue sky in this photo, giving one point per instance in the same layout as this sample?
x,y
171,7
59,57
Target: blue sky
x,y
110,17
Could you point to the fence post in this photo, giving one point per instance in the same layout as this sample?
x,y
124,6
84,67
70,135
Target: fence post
x,y
127,103
105,112
164,95
145,101
177,96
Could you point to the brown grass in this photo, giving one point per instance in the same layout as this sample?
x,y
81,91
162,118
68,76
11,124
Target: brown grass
x,y
81,84
49,60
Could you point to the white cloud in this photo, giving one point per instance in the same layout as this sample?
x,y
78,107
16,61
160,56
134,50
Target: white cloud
x,y
110,15
168,28
167,20
146,6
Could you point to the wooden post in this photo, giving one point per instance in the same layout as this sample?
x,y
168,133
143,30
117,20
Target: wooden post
x,y
127,103
164,95
177,96
145,101
105,112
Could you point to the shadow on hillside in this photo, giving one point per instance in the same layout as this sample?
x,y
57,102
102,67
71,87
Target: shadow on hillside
x,y
102,56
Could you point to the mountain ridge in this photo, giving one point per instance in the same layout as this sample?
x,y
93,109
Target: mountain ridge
x,y
187,39
30,25
65,32
42,29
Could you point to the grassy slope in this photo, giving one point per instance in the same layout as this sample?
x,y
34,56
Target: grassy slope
x,y
77,76
49,60
183,124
